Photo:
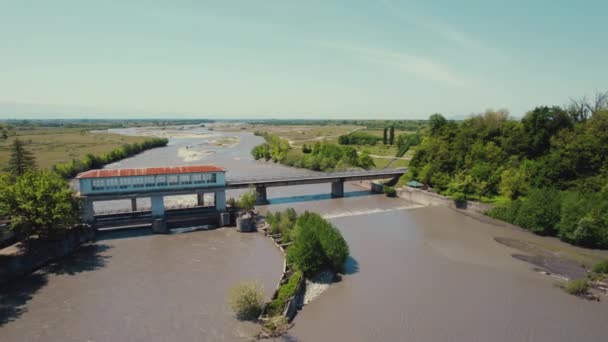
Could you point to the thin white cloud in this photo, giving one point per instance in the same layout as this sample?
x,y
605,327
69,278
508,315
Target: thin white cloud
x,y
441,28
420,66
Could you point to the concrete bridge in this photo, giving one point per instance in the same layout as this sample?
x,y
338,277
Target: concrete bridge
x,y
336,179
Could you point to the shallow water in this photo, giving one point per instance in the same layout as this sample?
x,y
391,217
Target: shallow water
x,y
416,274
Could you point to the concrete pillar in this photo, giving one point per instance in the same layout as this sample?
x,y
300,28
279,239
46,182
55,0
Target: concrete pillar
x,y
133,204
337,189
220,200
377,188
200,199
159,226
88,213
260,195
158,206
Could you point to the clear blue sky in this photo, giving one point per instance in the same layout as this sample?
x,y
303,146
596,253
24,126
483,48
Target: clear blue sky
x,y
296,59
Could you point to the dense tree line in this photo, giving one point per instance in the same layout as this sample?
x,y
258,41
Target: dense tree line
x,y
404,125
321,157
547,172
358,138
90,161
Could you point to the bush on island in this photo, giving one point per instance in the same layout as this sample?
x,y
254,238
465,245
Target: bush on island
x,y
246,300
317,245
286,292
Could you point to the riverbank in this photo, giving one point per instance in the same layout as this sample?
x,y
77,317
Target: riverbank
x,y
18,260
293,290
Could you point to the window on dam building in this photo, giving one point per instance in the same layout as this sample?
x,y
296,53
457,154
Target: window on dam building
x,y
151,181
110,180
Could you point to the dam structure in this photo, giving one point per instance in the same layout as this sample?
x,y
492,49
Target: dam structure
x,y
200,180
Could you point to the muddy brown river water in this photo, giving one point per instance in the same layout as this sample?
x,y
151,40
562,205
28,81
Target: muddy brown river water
x,y
416,274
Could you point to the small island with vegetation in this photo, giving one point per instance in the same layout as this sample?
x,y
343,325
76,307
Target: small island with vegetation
x,y
313,248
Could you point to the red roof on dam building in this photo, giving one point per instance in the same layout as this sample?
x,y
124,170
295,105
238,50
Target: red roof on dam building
x,y
103,173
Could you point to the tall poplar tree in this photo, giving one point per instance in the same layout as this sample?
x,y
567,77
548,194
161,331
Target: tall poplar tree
x,y
385,138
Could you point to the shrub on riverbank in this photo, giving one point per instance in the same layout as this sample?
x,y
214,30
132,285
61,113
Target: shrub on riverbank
x,y
246,300
90,161
317,245
578,287
285,292
282,223
389,191
601,267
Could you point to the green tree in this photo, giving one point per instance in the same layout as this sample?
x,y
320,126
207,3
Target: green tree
x,y
38,203
306,252
385,136
391,138
247,199
21,160
436,122
365,161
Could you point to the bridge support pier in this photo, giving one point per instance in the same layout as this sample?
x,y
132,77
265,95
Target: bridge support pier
x,y
133,204
158,206
261,198
337,189
200,199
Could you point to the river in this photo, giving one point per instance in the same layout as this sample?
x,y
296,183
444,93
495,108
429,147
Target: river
x,y
416,274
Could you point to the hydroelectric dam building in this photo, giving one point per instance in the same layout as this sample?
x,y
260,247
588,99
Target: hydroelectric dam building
x,y
154,183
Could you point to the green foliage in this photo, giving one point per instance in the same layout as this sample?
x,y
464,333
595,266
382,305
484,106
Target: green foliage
x,y
71,169
275,148
247,199
285,292
321,157
39,203
358,138
317,245
539,212
391,138
21,160
601,267
406,141
437,122
283,223
385,136
246,300
578,287
389,191
550,169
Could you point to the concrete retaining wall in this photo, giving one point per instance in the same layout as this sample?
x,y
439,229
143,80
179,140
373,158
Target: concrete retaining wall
x,y
429,199
41,254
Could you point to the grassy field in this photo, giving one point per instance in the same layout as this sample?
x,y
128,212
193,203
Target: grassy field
x,y
58,145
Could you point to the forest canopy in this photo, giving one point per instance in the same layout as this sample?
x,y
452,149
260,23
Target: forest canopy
x,y
547,172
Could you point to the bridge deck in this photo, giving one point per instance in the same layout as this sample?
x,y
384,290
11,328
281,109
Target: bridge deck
x,y
327,177
240,183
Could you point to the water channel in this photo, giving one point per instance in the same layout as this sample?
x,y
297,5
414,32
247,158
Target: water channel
x,y
416,274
